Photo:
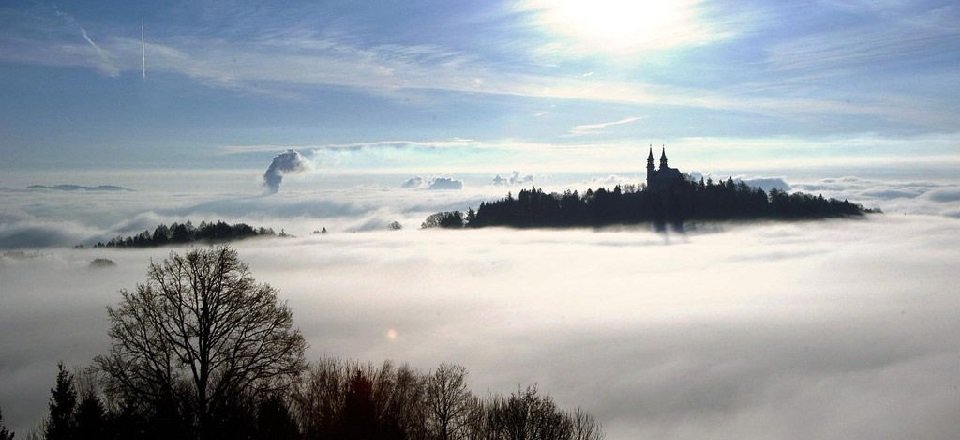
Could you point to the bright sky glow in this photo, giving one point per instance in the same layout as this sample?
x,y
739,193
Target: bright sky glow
x,y
622,26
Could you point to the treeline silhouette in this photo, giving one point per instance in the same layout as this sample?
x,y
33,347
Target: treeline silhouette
x,y
682,201
332,399
181,233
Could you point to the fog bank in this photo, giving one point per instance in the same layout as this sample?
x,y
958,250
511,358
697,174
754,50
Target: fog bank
x,y
831,329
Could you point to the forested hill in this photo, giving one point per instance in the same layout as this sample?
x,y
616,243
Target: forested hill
x,y
182,233
683,201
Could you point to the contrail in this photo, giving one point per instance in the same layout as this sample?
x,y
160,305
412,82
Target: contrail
x,y
143,54
103,55
69,18
105,58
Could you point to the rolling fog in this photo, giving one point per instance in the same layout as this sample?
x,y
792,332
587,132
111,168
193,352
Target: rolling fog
x,y
841,329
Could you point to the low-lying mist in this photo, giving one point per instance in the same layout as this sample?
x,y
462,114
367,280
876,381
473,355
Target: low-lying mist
x,y
349,203
830,329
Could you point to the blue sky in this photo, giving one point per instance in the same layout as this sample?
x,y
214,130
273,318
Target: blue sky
x,y
459,84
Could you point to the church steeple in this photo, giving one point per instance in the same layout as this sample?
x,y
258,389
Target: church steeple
x,y
663,177
651,171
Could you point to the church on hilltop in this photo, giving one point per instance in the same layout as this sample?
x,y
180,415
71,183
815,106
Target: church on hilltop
x,y
665,176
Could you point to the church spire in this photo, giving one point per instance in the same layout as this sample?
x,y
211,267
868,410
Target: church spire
x,y
663,158
651,171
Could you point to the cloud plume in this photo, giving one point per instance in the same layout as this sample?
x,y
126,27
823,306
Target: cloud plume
x,y
289,162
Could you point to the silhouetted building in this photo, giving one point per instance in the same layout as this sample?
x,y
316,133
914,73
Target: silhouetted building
x,y
663,177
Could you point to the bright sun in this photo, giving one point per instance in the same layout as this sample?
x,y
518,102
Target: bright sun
x,y
622,26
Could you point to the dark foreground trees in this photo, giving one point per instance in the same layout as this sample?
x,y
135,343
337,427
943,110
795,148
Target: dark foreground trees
x,y
5,434
63,401
347,400
196,335
202,351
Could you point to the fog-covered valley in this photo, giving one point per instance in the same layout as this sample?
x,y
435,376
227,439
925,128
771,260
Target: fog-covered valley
x,y
821,329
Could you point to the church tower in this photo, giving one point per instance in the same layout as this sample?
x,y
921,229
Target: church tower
x,y
650,171
664,176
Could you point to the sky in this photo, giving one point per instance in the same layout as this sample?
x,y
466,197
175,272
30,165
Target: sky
x,y
459,86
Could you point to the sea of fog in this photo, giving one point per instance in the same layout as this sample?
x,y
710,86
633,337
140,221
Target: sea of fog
x,y
839,329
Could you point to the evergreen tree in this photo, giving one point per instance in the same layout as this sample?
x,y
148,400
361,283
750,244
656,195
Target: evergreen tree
x,y
91,418
63,402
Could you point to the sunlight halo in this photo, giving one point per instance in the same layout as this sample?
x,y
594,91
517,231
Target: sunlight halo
x,y
621,26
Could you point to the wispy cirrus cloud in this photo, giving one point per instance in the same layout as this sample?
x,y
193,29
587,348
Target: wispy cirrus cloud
x,y
280,68
914,36
278,63
288,60
398,144
581,130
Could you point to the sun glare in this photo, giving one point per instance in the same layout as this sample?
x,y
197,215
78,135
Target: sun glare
x,y
622,26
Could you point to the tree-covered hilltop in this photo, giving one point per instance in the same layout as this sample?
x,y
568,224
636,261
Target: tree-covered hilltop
x,y
183,233
683,201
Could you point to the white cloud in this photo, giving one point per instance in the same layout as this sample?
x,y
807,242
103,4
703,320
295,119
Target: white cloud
x,y
892,196
581,130
778,330
414,182
512,179
435,183
353,146
279,62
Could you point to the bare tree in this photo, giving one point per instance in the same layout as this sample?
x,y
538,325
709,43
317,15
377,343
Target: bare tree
x,y
585,427
449,401
400,402
318,397
200,330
